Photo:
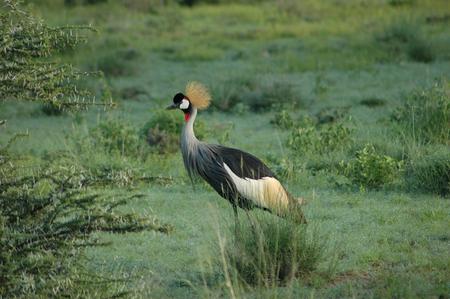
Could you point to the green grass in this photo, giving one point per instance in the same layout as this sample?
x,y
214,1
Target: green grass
x,y
388,243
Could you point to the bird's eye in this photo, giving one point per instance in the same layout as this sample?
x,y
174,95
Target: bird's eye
x,y
184,104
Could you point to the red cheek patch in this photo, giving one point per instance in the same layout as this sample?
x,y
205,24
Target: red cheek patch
x,y
186,117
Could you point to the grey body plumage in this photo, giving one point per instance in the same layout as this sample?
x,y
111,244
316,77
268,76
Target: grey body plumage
x,y
241,178
202,159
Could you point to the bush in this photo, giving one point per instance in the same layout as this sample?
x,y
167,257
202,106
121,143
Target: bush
x,y
46,221
401,31
421,51
46,217
272,251
113,152
258,95
429,172
323,139
425,115
331,114
401,2
115,136
404,38
227,94
28,65
373,102
51,109
370,169
163,131
267,95
283,120
133,93
89,2
117,63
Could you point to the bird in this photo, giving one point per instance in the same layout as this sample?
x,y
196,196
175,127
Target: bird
x,y
239,177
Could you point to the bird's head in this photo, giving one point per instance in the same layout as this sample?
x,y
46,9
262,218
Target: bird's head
x,y
182,102
196,97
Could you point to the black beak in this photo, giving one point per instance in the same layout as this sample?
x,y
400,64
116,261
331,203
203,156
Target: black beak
x,y
171,107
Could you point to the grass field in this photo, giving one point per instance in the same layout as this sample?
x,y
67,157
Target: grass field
x,y
338,63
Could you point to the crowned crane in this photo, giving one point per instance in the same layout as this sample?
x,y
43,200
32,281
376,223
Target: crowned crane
x,y
241,178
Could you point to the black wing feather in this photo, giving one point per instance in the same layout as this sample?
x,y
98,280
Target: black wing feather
x,y
243,164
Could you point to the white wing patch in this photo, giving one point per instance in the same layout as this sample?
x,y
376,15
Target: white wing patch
x,y
266,192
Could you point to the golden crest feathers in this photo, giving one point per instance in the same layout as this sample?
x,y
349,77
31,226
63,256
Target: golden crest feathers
x,y
198,94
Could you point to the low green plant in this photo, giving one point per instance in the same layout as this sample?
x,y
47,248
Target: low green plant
x,y
227,94
163,130
51,109
425,114
404,39
372,170
283,167
271,251
320,85
331,114
258,95
402,31
115,63
116,136
421,50
133,93
429,171
373,102
267,95
113,152
283,120
401,2
323,139
84,2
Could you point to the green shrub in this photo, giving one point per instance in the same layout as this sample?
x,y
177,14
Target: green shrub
x,y
133,93
51,109
331,114
89,2
267,95
401,31
116,63
46,221
425,115
429,171
401,2
324,139
115,136
373,102
371,170
272,251
283,120
258,95
228,94
283,167
421,51
29,68
163,131
112,152
404,39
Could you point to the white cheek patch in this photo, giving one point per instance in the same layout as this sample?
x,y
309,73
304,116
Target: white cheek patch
x,y
184,104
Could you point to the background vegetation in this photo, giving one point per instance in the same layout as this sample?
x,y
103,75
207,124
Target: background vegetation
x,y
347,101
